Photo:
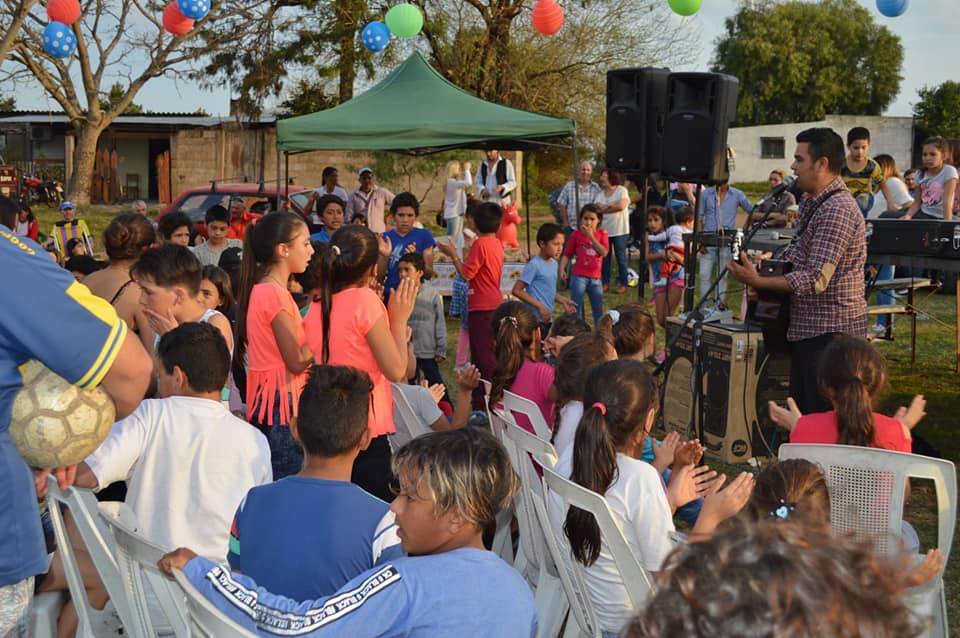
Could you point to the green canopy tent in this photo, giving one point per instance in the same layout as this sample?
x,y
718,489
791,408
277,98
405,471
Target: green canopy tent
x,y
415,110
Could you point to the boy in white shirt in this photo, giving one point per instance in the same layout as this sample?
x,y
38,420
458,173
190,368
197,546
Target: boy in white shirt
x,y
187,461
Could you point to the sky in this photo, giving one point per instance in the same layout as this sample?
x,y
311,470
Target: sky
x,y
928,31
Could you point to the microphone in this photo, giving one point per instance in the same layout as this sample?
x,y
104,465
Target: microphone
x,y
776,190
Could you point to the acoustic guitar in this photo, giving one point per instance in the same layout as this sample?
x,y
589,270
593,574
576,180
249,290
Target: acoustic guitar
x,y
771,310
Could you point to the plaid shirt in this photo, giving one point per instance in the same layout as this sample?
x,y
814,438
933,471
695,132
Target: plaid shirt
x,y
828,257
568,197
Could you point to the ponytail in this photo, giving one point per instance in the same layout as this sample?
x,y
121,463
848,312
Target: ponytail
x,y
514,326
595,468
328,264
618,396
250,273
850,375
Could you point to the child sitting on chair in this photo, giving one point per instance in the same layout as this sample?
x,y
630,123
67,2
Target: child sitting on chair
x,y
451,487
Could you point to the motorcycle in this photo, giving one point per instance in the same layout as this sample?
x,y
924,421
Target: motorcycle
x,y
48,191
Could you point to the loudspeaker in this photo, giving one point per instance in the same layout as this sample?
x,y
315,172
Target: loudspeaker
x,y
700,109
636,104
739,377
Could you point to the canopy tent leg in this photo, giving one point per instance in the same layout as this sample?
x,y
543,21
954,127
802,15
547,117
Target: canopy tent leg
x,y
278,172
526,201
286,175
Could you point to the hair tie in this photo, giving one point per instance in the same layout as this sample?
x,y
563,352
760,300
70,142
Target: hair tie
x,y
784,510
510,319
335,249
600,406
614,315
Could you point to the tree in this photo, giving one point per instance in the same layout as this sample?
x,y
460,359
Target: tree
x,y
938,111
8,103
123,39
798,61
113,97
16,12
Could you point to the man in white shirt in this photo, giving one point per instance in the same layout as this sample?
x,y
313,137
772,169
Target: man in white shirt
x,y
187,461
496,179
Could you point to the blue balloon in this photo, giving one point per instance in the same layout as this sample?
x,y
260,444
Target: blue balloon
x,y
892,8
375,36
194,9
58,40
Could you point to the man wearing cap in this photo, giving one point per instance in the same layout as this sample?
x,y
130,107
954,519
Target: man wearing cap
x,y
69,228
240,218
370,201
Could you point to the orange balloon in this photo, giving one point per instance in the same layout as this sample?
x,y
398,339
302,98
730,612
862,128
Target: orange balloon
x,y
174,21
65,11
547,17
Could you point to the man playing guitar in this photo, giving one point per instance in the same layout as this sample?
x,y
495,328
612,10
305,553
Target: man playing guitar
x,y
826,284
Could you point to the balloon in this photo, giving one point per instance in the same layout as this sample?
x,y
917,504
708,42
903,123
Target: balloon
x,y
193,9
547,17
375,36
174,21
58,40
685,7
892,8
65,11
404,20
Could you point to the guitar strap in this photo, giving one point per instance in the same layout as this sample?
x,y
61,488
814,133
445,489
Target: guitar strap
x,y
806,220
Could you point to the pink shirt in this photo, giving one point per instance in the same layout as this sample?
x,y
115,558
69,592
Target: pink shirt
x,y
888,433
267,374
589,261
533,382
353,313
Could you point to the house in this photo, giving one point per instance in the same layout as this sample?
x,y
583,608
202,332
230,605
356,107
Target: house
x,y
760,149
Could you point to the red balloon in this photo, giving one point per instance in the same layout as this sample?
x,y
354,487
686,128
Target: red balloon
x,y
547,17
65,11
174,21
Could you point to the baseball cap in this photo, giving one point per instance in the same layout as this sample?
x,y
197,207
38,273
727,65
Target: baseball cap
x,y
365,169
230,258
66,205
238,198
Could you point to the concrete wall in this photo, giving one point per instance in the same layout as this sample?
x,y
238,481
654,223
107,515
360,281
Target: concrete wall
x,y
230,153
891,135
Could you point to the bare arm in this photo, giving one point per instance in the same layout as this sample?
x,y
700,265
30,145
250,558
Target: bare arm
x,y
129,376
295,357
467,380
948,194
915,205
390,352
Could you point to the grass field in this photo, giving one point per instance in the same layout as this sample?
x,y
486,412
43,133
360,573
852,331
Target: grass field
x,y
933,375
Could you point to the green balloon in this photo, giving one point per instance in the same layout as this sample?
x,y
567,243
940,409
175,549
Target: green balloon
x,y
404,20
685,7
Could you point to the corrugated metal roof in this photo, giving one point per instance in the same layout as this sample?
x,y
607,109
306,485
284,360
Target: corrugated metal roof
x,y
155,119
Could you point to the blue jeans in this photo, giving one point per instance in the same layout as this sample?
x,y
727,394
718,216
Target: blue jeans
x,y
884,297
618,250
286,455
710,264
593,288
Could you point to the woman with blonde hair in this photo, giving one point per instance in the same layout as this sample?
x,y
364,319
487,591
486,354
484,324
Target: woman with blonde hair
x,y
455,200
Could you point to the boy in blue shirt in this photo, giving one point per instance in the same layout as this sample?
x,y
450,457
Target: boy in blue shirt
x,y
405,238
306,535
451,486
537,285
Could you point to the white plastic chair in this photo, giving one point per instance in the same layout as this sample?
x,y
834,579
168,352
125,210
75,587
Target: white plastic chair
x,y
526,407
203,618
405,421
635,579
43,614
137,562
85,510
503,537
486,398
867,488
551,597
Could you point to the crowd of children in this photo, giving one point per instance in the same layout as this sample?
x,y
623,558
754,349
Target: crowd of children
x,y
299,518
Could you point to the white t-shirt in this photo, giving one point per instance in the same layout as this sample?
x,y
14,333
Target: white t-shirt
x,y
618,223
570,415
901,197
933,187
638,500
188,464
455,196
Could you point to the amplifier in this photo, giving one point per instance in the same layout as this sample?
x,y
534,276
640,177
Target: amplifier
x,y
919,237
739,377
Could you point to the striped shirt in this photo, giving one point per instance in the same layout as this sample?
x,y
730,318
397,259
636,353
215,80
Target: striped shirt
x,y
568,197
828,257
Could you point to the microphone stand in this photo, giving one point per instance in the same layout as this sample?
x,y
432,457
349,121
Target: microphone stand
x,y
696,316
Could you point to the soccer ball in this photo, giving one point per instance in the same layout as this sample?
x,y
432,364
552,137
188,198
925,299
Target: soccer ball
x,y
55,423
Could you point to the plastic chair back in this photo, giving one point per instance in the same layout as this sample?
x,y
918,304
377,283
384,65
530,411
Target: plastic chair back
x,y
526,407
637,583
96,537
203,618
867,488
137,561
405,420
